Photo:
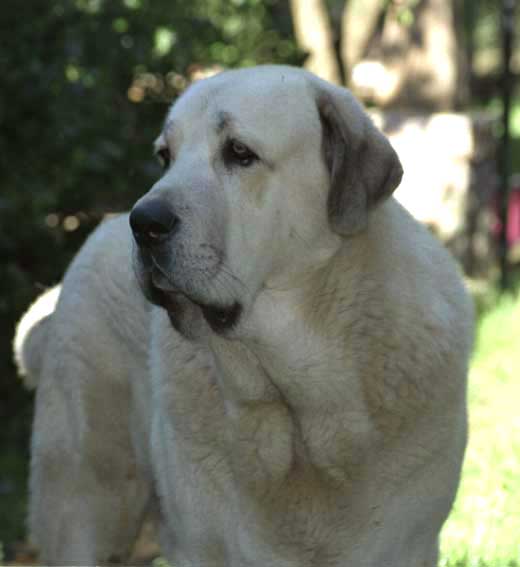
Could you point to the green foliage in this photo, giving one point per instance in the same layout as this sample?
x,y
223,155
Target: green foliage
x,y
13,492
161,562
484,28
85,87
495,107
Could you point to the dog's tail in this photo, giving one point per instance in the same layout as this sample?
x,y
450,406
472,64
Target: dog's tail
x,y
31,336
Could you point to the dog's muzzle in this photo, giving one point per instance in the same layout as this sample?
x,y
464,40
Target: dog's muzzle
x,y
153,223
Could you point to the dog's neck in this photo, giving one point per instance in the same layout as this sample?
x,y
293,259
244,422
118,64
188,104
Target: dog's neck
x,y
291,345
287,377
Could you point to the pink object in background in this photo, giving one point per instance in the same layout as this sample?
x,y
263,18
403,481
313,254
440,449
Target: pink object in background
x,y
513,215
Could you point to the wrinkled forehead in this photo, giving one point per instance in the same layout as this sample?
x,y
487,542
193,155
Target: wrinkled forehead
x,y
269,99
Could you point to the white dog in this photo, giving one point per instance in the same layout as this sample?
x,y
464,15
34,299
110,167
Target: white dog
x,y
296,396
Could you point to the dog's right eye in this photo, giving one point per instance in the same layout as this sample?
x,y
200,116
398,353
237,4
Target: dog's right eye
x,y
236,152
164,157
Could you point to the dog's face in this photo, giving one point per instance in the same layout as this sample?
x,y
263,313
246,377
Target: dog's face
x,y
266,169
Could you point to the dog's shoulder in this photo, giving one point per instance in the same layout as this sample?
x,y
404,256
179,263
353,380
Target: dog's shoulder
x,y
412,321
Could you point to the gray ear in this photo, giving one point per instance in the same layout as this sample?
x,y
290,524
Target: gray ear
x,y
364,168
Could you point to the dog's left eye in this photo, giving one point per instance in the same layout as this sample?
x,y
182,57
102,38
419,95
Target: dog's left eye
x,y
164,156
236,152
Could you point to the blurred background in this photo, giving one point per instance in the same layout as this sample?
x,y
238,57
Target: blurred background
x,y
84,87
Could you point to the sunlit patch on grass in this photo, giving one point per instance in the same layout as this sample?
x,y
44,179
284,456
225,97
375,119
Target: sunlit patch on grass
x,y
484,528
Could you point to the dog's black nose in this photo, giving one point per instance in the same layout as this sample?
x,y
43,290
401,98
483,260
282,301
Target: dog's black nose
x,y
152,221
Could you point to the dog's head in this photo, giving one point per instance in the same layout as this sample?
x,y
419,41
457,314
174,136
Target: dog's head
x,y
265,170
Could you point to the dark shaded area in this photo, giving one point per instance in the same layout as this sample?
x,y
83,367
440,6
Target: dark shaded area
x,y
508,7
84,88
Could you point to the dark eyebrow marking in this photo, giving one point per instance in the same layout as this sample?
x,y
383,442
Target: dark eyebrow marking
x,y
224,120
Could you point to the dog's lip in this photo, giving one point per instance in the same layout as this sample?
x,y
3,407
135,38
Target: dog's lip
x,y
161,282
221,319
164,294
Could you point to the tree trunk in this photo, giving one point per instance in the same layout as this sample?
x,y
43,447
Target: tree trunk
x,y
359,24
404,54
314,36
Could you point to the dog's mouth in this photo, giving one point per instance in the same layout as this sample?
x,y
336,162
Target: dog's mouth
x,y
163,293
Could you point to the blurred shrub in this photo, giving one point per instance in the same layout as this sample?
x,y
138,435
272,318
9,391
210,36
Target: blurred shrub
x,y
85,86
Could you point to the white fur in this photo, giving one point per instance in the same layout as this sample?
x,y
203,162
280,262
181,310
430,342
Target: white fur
x,y
31,329
327,428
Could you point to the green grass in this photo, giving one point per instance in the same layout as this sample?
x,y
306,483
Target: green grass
x,y
484,527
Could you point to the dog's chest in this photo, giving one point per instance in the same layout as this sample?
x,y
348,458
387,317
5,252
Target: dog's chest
x,y
290,422
232,447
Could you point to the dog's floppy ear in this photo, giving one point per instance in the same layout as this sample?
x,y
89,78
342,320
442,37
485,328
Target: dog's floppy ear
x,y
364,168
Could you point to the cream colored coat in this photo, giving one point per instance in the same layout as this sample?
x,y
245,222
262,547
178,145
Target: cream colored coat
x,y
326,425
